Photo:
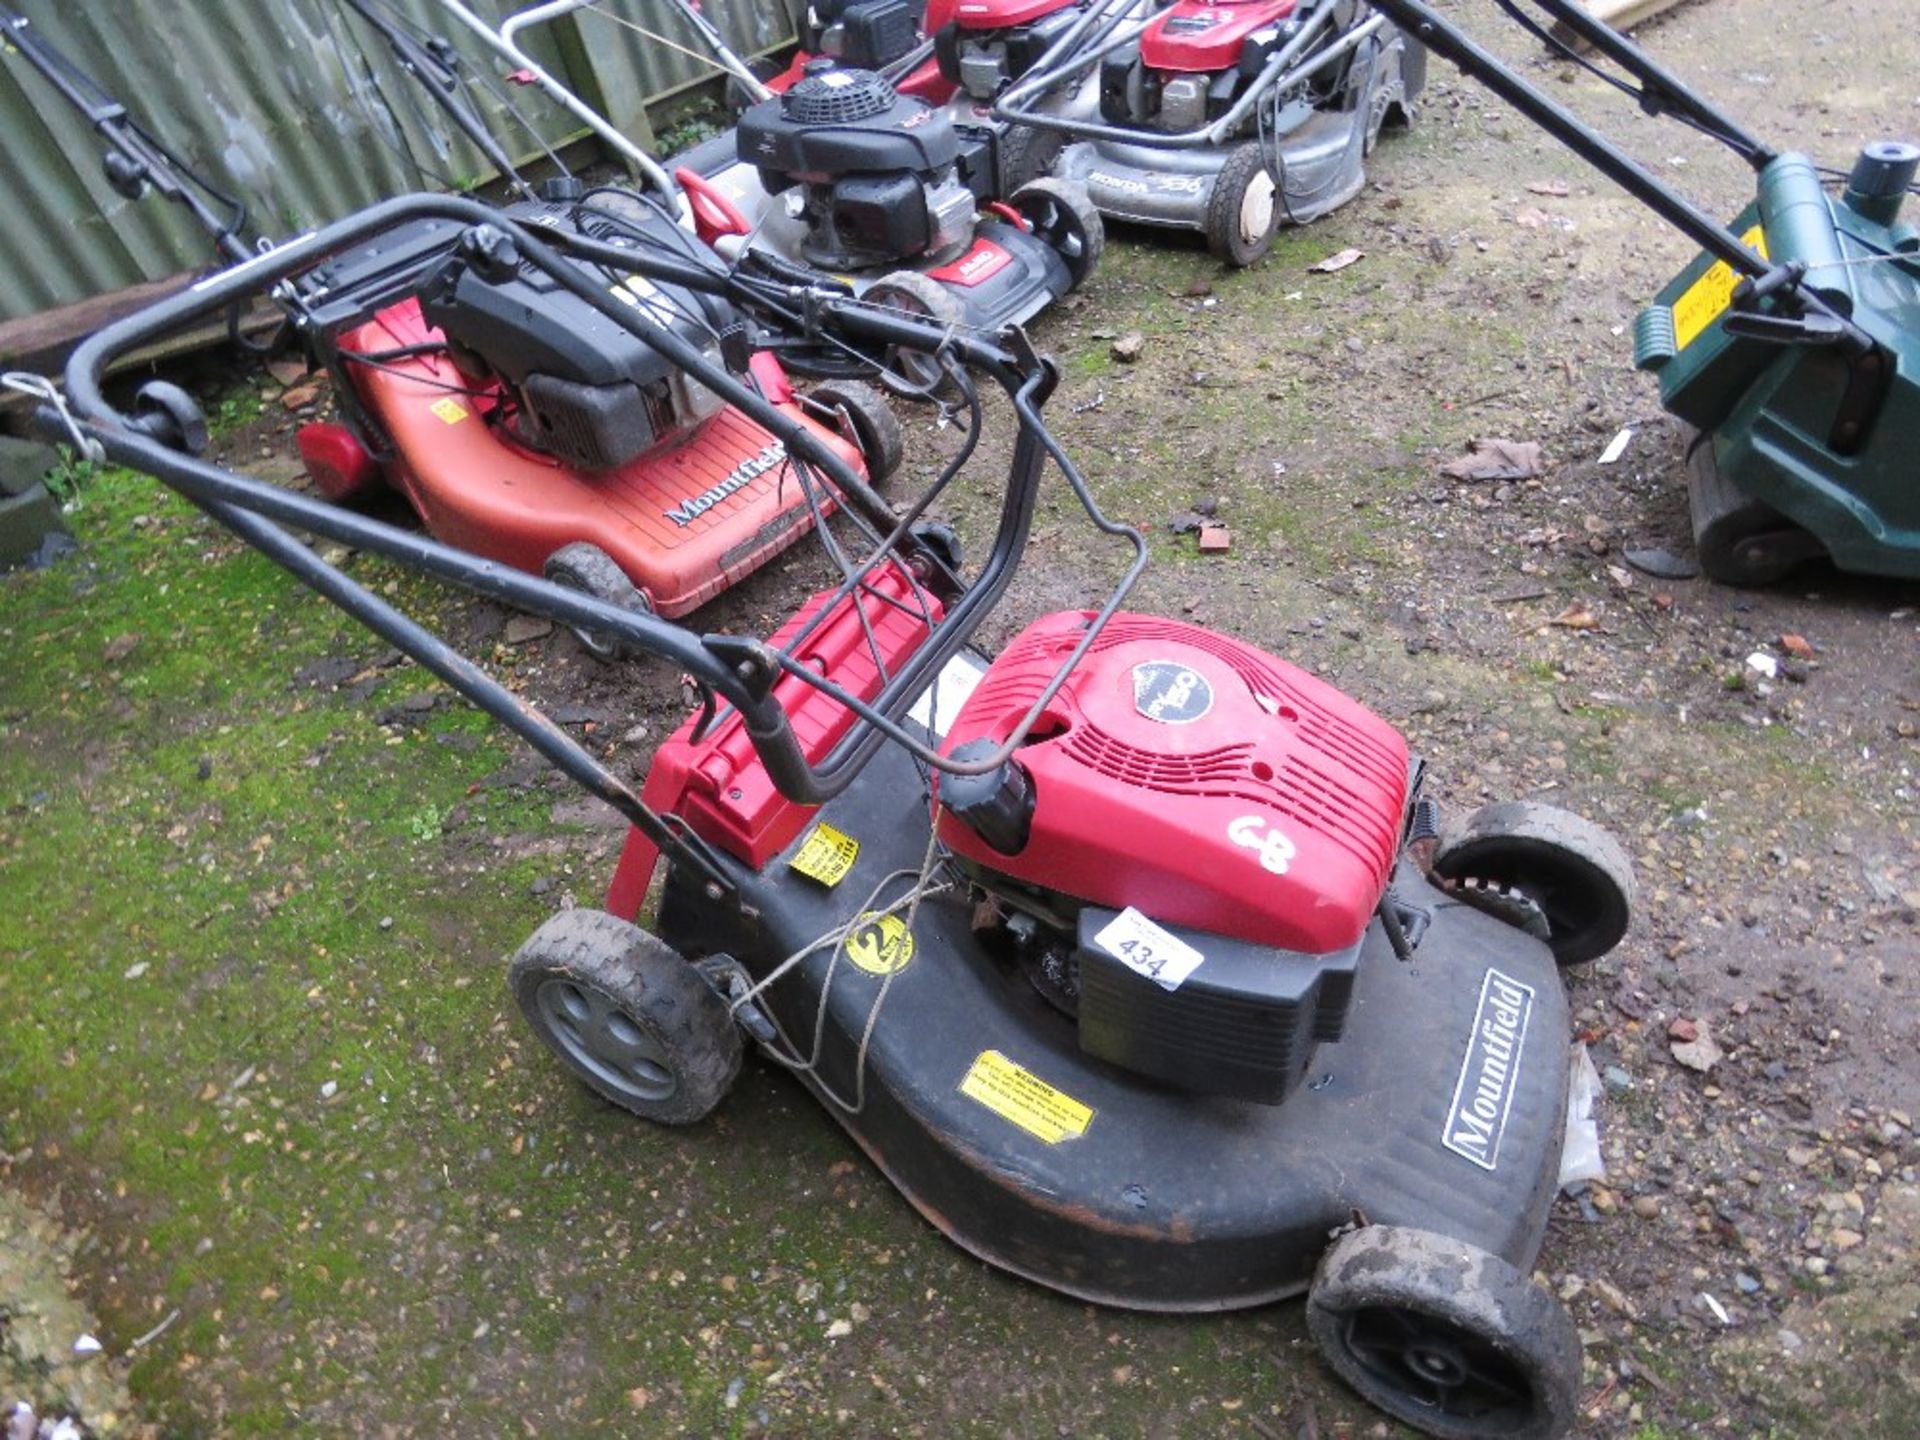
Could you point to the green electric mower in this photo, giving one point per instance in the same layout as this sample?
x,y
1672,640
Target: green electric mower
x,y
1790,346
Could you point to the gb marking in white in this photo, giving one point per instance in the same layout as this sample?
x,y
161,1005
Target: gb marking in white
x,y
1275,850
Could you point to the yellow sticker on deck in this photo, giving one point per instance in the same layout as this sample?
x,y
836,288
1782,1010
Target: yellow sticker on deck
x,y
826,855
449,410
1701,303
1015,1093
880,944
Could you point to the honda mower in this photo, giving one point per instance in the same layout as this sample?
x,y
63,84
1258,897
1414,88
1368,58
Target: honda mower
x,y
1134,957
1790,346
1223,116
518,423
891,194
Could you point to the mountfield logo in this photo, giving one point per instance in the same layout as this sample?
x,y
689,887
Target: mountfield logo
x,y
743,474
1488,1076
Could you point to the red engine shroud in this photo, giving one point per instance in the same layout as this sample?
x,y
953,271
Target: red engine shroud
x,y
1196,778
1203,36
739,502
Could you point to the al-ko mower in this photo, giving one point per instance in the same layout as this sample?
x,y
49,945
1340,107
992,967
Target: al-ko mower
x,y
847,173
1133,957
519,423
1790,346
1225,116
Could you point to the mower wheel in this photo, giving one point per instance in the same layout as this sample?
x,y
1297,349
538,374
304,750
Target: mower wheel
x,y
1444,1336
1062,215
917,374
1027,153
635,1022
1545,870
1740,540
1241,213
763,68
862,415
589,569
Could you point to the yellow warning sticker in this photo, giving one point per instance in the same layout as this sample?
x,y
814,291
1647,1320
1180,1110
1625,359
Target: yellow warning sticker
x,y
1701,303
449,410
1015,1093
880,944
826,855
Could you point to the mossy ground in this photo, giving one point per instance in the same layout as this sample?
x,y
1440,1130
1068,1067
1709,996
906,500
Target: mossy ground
x,y
259,882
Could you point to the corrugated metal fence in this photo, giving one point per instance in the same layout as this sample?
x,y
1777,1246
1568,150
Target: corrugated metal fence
x,y
296,107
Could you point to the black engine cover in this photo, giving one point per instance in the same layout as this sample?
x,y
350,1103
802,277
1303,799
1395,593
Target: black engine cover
x,y
1244,1024
863,33
589,391
843,122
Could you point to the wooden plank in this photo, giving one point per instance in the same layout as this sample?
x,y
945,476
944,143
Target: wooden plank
x,y
1620,14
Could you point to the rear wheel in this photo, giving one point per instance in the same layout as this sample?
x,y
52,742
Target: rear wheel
x,y
1241,213
590,570
1445,1336
862,415
1062,215
1740,540
1560,877
627,1015
1027,153
913,372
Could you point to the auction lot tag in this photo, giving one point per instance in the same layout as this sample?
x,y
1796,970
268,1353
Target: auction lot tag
x,y
1015,1093
1144,948
826,855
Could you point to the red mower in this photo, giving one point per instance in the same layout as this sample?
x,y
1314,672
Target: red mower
x,y
1133,957
518,423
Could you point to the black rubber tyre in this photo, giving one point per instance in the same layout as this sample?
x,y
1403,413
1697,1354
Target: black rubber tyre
x,y
914,293
634,1022
763,68
1740,540
862,415
1445,1337
1027,153
1566,871
1243,213
588,568
1062,215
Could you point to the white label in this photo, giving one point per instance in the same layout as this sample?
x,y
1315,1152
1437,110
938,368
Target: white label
x,y
1269,842
1146,949
934,711
1490,1071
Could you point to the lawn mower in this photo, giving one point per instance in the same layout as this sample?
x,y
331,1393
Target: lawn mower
x,y
846,172
1223,116
1134,957
517,423
1790,346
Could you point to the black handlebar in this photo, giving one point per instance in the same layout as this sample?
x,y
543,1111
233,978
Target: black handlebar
x,y
741,672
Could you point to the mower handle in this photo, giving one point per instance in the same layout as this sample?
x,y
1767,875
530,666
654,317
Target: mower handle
x,y
740,672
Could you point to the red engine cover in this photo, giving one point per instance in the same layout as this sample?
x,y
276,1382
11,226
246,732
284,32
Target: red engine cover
x,y
695,514
1196,778
1202,36
978,15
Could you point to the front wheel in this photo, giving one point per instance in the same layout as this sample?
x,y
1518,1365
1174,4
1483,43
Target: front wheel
x,y
1550,872
916,373
1241,213
633,1021
1444,1336
1060,214
861,414
590,570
